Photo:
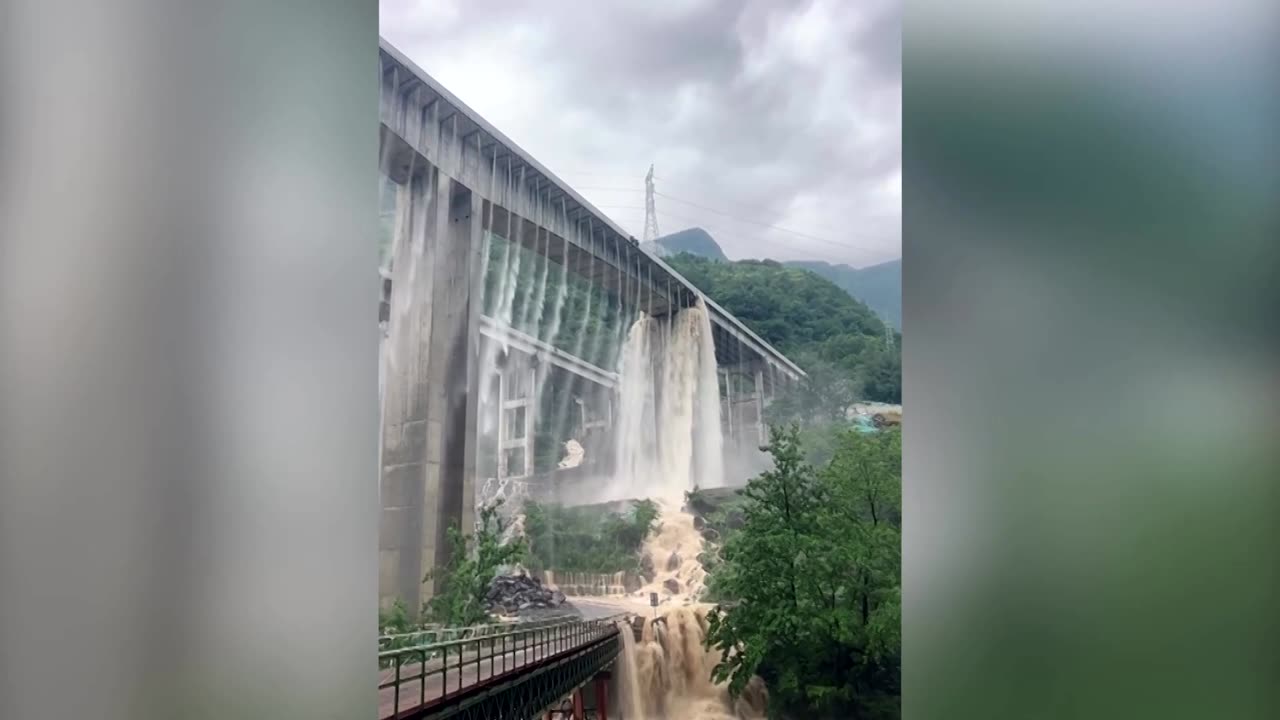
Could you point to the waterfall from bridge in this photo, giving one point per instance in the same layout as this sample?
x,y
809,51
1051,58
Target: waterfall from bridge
x,y
668,445
668,442
636,436
709,440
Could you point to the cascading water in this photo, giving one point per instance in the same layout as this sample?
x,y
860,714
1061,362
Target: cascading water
x,y
630,702
709,440
667,674
691,435
636,446
668,442
679,391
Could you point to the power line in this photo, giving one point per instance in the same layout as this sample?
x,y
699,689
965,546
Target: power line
x,y
651,216
728,233
737,217
769,242
732,215
734,206
761,223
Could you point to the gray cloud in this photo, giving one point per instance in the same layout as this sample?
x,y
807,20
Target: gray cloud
x,y
783,112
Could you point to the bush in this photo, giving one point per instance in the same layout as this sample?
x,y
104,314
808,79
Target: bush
x,y
583,540
461,586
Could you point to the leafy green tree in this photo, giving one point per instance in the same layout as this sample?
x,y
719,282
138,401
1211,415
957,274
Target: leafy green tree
x,y
395,619
882,376
583,540
815,570
822,397
461,586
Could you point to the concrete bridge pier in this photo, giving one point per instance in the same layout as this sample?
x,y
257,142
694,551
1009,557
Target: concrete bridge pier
x,y
743,398
430,377
588,702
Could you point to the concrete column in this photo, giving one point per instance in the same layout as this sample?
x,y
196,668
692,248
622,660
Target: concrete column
x,y
727,378
530,412
455,371
516,394
761,430
501,429
406,465
431,383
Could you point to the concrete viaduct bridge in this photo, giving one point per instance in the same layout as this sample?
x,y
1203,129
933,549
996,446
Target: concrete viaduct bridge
x,y
453,185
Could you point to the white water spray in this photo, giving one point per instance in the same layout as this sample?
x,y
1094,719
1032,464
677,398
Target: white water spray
x,y
668,442
679,386
690,432
708,440
636,444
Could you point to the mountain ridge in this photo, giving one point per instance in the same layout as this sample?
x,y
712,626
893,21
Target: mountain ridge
x,y
878,286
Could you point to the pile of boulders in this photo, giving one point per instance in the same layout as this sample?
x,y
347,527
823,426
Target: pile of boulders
x,y
510,594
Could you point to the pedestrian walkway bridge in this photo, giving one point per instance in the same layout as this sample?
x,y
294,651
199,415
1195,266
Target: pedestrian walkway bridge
x,y
503,671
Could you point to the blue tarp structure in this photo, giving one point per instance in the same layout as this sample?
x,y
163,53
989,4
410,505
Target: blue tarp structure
x,y
864,424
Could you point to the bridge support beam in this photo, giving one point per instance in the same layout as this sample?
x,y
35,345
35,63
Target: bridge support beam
x,y
602,697
761,431
744,401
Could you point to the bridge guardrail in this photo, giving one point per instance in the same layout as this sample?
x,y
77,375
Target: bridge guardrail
x,y
440,633
500,652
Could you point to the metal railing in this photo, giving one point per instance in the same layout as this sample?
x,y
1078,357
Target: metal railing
x,y
435,633
414,676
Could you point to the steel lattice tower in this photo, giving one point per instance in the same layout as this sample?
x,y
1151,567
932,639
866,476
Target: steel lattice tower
x,y
650,209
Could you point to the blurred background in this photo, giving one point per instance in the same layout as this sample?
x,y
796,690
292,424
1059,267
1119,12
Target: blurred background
x,y
1090,248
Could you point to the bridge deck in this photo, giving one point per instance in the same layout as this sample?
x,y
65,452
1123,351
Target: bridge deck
x,y
473,667
423,124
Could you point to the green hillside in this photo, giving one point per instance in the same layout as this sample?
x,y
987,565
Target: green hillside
x,y
694,241
878,286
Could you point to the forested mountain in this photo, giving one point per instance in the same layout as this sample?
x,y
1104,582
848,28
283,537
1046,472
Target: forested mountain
x,y
694,241
806,317
878,286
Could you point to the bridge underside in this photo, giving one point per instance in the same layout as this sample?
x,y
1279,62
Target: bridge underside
x,y
455,186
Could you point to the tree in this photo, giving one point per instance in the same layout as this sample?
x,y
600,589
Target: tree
x,y
461,586
882,377
815,570
823,396
584,540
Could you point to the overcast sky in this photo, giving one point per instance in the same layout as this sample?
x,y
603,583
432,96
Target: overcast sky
x,y
781,113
